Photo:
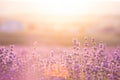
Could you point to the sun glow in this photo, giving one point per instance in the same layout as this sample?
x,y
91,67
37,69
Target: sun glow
x,y
62,11
64,7
57,70
57,14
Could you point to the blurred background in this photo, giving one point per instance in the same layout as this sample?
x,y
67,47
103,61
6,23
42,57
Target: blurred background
x,y
57,22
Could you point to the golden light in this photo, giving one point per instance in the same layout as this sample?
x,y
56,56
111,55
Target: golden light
x,y
57,14
64,7
57,70
62,11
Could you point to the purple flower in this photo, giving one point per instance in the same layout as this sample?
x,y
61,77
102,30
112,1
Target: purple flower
x,y
89,77
111,77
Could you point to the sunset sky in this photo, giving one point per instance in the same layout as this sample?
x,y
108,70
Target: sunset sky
x,y
59,7
58,11
58,17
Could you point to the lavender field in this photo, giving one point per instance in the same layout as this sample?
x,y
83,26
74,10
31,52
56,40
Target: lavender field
x,y
59,39
86,61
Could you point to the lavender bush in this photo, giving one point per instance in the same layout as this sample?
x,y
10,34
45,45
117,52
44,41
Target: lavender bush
x,y
92,62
